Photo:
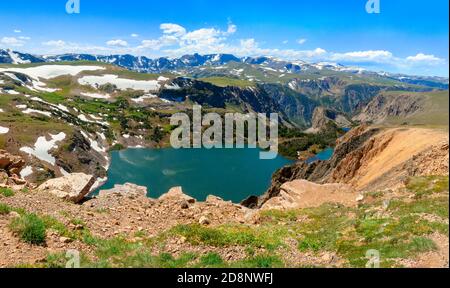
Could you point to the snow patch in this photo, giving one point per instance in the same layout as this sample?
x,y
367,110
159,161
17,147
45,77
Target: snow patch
x,y
11,92
43,146
27,171
98,183
121,83
31,111
143,98
63,172
94,144
52,71
96,95
162,78
83,118
4,130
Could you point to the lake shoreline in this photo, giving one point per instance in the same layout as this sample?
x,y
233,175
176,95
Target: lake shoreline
x,y
168,173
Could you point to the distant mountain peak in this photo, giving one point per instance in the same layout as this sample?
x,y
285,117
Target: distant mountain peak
x,y
193,61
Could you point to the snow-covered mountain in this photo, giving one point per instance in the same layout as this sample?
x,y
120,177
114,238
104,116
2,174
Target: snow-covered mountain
x,y
165,64
11,57
195,61
144,64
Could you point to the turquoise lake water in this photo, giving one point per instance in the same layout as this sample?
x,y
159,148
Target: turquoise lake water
x,y
323,155
232,174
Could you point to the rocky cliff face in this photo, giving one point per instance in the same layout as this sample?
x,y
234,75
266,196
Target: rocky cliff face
x,y
297,107
323,116
370,158
317,171
208,94
387,105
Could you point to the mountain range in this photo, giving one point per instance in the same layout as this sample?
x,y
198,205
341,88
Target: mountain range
x,y
195,64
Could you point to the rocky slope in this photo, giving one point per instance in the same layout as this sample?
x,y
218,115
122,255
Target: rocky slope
x,y
385,105
428,108
123,228
369,158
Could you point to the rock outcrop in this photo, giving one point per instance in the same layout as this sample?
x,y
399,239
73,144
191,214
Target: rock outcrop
x,y
10,168
127,189
386,105
11,164
317,171
302,194
80,155
370,158
323,116
73,187
176,194
381,160
431,162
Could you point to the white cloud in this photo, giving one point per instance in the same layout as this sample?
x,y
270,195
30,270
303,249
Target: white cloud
x,y
231,28
60,47
203,35
55,43
150,44
378,56
17,31
175,29
175,40
183,41
25,38
117,43
302,41
420,57
12,41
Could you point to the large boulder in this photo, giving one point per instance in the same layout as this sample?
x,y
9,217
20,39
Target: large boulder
x,y
11,164
73,187
127,189
304,194
176,194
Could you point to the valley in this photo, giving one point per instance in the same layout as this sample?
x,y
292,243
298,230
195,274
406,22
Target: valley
x,y
71,123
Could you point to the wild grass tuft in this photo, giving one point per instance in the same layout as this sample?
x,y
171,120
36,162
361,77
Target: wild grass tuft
x,y
30,228
7,192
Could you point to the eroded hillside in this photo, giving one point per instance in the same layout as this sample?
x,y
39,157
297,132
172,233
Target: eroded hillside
x,y
404,217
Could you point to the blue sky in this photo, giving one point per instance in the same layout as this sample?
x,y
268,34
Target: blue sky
x,y
408,36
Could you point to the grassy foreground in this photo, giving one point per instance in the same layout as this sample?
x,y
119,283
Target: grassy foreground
x,y
397,228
